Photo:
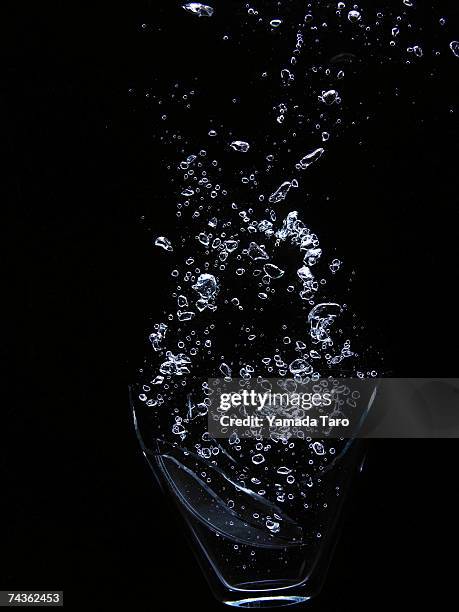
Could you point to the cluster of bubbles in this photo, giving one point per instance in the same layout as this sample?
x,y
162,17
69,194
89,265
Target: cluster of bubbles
x,y
253,294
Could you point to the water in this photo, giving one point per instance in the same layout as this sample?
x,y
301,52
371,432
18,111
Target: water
x,y
253,293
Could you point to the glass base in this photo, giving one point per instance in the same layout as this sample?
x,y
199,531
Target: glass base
x,y
274,601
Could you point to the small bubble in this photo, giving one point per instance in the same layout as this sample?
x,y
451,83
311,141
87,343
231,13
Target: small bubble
x,y
354,16
454,46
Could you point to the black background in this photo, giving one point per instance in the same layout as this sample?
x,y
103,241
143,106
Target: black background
x,y
82,512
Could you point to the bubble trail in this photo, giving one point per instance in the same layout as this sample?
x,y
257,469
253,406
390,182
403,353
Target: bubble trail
x,y
254,294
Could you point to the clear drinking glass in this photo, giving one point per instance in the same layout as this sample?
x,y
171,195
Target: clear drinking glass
x,y
252,551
